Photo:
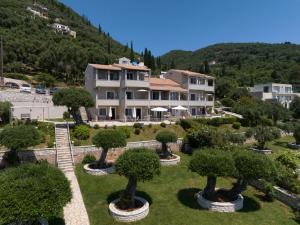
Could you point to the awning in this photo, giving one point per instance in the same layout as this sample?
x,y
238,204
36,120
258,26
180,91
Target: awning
x,y
159,109
180,108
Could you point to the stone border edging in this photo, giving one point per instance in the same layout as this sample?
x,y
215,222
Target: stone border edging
x,y
98,172
265,151
220,206
170,162
129,216
294,146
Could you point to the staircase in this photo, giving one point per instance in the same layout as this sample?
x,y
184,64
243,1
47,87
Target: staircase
x,y
64,157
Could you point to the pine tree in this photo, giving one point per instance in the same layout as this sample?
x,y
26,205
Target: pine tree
x,y
131,52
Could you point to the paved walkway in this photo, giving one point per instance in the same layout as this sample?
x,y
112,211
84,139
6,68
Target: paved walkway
x,y
75,212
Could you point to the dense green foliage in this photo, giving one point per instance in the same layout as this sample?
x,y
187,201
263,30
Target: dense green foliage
x,y
73,99
136,165
246,63
165,137
88,159
263,134
4,112
82,132
31,192
31,46
297,134
295,107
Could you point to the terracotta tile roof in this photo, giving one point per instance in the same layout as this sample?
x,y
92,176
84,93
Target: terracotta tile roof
x,y
165,85
131,67
190,73
104,67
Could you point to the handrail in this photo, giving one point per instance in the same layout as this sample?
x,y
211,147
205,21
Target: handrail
x,y
55,144
70,144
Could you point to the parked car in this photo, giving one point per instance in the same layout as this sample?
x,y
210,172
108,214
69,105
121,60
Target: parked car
x,y
53,90
40,89
25,88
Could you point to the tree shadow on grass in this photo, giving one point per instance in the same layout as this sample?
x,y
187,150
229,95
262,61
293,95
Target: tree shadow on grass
x,y
250,205
56,221
113,196
283,144
187,197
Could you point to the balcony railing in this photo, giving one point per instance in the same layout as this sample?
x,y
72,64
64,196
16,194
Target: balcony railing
x,y
137,83
108,83
108,102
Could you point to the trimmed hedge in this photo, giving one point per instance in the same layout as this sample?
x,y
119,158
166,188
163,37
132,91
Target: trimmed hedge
x,y
190,123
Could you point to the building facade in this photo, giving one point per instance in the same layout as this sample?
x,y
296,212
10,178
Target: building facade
x,y
282,93
127,92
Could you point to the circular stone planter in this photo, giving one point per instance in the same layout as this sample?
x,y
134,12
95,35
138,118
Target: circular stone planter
x,y
98,172
265,151
294,146
129,216
170,162
220,206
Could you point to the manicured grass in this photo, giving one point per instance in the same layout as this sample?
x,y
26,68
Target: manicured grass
x,y
280,146
171,196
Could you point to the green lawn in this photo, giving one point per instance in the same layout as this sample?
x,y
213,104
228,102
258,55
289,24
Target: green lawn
x,y
171,196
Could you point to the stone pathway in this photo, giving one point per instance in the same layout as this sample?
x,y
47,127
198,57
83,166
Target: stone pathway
x,y
75,212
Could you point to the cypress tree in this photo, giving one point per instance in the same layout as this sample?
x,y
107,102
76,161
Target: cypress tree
x,y
206,67
100,29
131,52
109,46
172,65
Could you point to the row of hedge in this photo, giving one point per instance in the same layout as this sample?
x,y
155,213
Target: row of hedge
x,y
189,123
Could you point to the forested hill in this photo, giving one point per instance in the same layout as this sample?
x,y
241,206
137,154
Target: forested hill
x,y
31,46
246,63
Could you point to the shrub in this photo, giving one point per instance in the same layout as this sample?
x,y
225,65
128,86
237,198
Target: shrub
x,y
5,112
126,131
297,134
228,102
236,125
289,160
150,125
88,159
77,142
162,124
220,121
66,115
236,138
106,139
137,131
165,137
96,127
136,165
212,163
186,124
287,179
265,134
40,190
137,125
270,193
266,122
203,136
50,144
82,132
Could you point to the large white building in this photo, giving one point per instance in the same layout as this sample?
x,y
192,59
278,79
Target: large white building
x,y
282,93
127,92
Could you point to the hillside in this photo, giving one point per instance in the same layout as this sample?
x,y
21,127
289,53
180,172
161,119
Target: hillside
x,y
246,63
31,46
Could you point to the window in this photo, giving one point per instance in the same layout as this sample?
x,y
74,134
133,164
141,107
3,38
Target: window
x,y
164,95
202,97
141,76
102,111
129,95
130,76
276,89
201,81
210,98
193,97
174,96
110,95
128,112
194,111
210,82
114,76
288,90
266,89
102,75
155,95
193,80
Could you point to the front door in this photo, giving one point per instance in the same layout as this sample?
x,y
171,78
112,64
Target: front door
x,y
113,113
139,114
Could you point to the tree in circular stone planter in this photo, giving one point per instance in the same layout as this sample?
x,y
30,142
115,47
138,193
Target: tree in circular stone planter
x,y
250,166
165,137
136,165
18,138
264,134
297,134
31,192
73,99
106,139
212,163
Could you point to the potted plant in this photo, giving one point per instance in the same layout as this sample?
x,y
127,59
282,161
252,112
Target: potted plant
x,y
106,139
167,158
136,165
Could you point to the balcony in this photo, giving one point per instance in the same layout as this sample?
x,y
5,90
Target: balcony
x,y
201,87
137,83
201,103
137,102
108,83
108,102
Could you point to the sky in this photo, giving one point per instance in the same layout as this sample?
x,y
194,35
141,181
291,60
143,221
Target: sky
x,y
164,25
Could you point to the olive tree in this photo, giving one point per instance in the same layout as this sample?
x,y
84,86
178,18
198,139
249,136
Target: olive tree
x,y
136,165
73,99
18,138
263,134
212,163
33,191
106,139
165,137
250,166
297,134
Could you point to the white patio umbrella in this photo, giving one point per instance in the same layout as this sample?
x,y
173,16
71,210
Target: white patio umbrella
x,y
134,113
159,109
110,112
180,108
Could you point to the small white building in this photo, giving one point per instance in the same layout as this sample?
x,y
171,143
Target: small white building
x,y
57,27
282,93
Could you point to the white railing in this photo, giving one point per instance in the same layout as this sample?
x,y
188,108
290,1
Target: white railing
x,y
70,144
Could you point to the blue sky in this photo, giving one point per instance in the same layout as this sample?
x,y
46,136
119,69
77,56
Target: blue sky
x,y
164,25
